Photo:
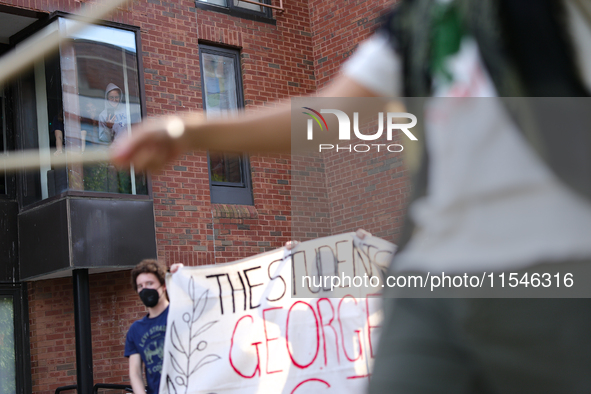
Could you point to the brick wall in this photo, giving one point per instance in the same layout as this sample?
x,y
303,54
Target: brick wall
x,y
341,191
277,62
53,346
362,190
244,231
114,306
337,28
310,201
367,190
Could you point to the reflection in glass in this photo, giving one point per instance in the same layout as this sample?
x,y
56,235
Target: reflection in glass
x,y
235,3
33,118
101,89
221,98
7,356
225,167
248,6
216,2
63,108
220,84
220,70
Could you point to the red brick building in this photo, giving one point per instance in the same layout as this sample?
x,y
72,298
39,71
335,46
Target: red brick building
x,y
67,250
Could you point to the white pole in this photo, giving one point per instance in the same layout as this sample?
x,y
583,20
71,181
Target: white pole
x,y
128,114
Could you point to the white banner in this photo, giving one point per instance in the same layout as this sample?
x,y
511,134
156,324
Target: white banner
x,y
257,326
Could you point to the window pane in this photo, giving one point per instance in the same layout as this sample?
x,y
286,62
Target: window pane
x,y
229,173
219,77
215,2
225,167
248,6
102,101
7,357
34,132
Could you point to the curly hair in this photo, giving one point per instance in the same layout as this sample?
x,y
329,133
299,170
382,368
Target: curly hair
x,y
148,266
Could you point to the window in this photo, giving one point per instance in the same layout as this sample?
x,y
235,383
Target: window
x,y
239,8
14,355
83,97
7,349
229,173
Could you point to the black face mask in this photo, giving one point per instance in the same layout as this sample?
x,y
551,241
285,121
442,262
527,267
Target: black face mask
x,y
149,297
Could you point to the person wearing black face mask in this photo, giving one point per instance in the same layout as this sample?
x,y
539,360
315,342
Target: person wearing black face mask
x,y
145,338
150,297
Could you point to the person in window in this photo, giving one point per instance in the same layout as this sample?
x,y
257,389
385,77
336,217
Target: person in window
x,y
89,125
112,125
499,193
113,119
145,338
95,175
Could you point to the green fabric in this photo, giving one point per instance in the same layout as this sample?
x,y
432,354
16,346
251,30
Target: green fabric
x,y
446,37
424,33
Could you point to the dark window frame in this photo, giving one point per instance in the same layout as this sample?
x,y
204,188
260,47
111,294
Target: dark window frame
x,y
22,353
225,192
232,193
9,179
265,16
3,145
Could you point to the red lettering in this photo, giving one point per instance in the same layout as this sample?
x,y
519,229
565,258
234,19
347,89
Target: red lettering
x,y
343,335
267,339
256,345
309,380
336,337
302,366
359,376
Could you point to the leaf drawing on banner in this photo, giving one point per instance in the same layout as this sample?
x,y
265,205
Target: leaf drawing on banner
x,y
206,360
177,367
170,386
197,315
204,328
189,348
176,341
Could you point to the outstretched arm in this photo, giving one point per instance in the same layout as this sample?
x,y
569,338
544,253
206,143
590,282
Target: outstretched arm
x,y
157,141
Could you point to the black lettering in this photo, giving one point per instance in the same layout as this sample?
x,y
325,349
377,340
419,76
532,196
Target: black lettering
x,y
320,264
217,277
293,271
250,286
234,290
272,278
338,271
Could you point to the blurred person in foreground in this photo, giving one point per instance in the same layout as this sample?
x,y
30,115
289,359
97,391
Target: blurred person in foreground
x,y
503,192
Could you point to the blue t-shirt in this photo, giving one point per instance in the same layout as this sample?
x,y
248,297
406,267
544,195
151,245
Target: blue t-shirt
x,y
146,337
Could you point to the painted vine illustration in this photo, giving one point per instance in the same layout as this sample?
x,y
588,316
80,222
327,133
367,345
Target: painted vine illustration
x,y
186,367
